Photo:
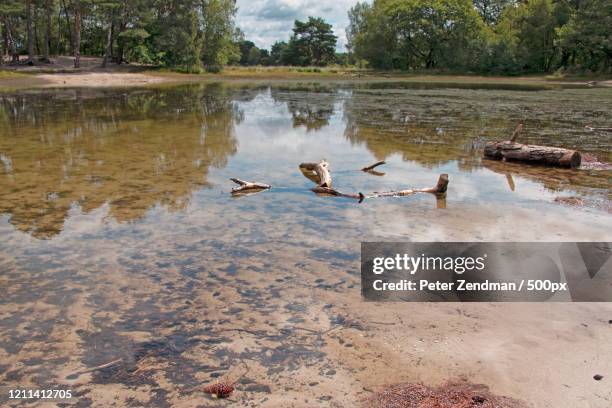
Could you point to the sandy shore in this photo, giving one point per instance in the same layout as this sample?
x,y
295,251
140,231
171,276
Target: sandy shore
x,y
61,73
100,79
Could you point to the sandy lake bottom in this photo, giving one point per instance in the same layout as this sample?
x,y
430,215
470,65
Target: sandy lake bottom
x,y
119,239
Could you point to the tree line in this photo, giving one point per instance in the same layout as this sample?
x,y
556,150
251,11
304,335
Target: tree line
x,y
187,35
485,36
184,34
312,43
482,36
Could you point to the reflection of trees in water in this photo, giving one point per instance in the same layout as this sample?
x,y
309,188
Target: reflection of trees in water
x,y
131,149
310,106
430,132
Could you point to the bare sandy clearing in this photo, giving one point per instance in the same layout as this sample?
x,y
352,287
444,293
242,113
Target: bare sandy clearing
x,y
99,79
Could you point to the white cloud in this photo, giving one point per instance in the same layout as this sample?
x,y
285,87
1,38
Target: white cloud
x,y
266,21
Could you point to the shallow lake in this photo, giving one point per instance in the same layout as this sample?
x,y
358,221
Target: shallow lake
x,y
119,237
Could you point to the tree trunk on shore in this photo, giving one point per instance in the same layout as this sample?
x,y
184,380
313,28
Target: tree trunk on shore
x,y
36,36
30,38
77,34
5,51
11,40
109,41
69,26
47,45
3,43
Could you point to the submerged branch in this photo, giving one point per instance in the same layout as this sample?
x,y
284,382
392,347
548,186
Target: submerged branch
x,y
373,166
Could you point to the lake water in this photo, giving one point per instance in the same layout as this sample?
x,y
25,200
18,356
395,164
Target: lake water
x,y
119,237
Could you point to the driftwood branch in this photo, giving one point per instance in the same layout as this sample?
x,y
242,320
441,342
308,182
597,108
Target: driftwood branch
x,y
517,132
601,129
440,188
248,187
373,166
510,150
319,173
321,170
326,191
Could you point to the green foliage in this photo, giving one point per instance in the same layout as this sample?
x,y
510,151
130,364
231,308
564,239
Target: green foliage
x,y
251,55
183,34
277,53
491,10
403,34
245,48
587,38
487,36
214,69
313,43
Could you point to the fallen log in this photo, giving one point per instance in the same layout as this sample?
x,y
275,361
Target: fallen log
x,y
440,188
248,187
510,150
532,154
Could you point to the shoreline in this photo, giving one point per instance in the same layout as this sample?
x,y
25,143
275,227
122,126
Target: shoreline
x,y
124,78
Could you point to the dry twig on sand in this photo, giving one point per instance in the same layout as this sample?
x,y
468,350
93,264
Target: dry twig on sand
x,y
96,368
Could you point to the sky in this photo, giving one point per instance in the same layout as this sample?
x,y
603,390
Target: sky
x,y
266,21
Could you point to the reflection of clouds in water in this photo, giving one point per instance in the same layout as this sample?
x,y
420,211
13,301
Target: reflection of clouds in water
x,y
79,223
7,162
417,219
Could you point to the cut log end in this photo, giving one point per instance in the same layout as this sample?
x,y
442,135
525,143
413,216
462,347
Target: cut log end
x,y
442,184
571,159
